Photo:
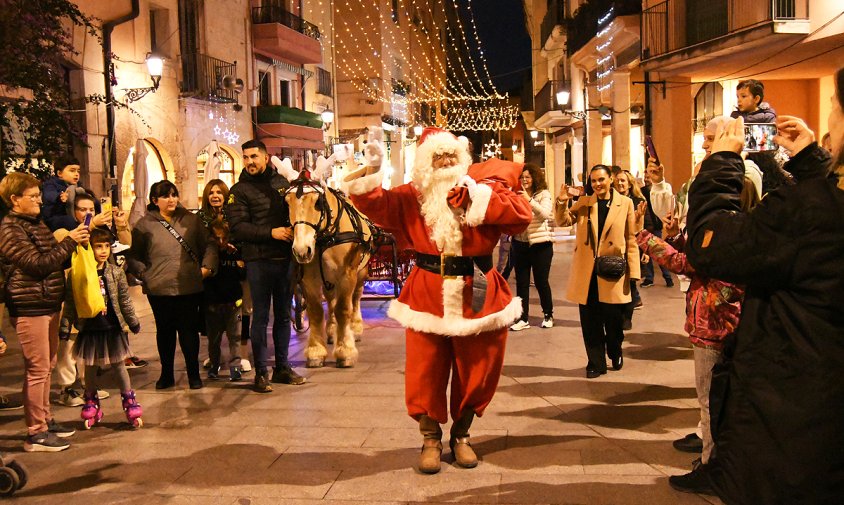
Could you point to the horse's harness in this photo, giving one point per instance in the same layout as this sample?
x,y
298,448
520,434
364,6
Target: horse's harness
x,y
327,228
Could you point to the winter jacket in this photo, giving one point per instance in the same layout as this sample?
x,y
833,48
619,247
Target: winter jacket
x,y
33,262
779,413
763,114
256,205
713,307
56,213
225,287
540,228
157,258
118,297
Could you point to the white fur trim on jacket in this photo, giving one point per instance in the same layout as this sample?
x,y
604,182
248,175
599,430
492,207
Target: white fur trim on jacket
x,y
480,203
364,184
454,326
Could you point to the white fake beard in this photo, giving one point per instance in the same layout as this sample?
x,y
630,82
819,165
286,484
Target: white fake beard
x,y
443,222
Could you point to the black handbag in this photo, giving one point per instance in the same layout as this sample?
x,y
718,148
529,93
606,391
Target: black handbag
x,y
609,267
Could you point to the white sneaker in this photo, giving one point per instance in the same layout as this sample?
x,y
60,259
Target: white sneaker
x,y
519,326
102,394
245,366
548,322
70,397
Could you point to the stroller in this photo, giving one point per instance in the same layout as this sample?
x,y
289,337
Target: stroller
x,y
13,475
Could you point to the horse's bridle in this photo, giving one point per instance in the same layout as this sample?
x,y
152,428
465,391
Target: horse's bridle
x,y
298,185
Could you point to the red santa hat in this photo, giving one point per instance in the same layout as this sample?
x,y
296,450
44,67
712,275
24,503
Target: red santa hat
x,y
435,140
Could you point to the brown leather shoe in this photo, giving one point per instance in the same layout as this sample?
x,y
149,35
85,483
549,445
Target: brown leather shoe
x,y
429,458
464,455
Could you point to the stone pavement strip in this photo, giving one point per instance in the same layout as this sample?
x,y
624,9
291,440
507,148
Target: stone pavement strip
x,y
550,435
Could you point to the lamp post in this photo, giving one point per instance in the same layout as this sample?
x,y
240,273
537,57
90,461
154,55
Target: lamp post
x,y
155,67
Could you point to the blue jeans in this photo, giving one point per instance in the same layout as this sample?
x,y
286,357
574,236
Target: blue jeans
x,y
269,280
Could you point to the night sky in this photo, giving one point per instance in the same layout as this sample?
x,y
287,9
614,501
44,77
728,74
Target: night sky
x,y
504,38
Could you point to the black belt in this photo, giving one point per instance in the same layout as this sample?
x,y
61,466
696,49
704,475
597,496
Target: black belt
x,y
453,266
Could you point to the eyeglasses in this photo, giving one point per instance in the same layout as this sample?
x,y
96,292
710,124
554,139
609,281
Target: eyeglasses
x,y
34,197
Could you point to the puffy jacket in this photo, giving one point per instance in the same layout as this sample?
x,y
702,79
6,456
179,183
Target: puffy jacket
x,y
33,263
540,228
713,307
763,114
256,206
162,263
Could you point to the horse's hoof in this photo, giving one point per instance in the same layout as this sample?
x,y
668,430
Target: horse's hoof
x,y
345,363
315,363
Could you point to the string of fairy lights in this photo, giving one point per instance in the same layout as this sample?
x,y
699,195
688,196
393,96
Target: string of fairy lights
x,y
432,57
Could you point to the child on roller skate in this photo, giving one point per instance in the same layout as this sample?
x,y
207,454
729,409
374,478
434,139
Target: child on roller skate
x,y
102,340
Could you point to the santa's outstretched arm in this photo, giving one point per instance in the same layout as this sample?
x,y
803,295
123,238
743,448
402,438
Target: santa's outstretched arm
x,y
492,203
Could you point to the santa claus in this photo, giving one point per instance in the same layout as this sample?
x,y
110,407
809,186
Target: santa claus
x,y
454,305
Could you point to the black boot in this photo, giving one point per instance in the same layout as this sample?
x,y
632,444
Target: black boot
x,y
696,481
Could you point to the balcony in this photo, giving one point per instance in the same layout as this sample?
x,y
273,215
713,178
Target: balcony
x,y
548,113
556,16
279,34
681,26
289,128
202,78
583,26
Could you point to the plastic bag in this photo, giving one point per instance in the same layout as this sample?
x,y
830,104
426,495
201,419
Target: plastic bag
x,y
87,295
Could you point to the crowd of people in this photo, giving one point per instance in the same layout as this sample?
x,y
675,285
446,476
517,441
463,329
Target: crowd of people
x,y
756,245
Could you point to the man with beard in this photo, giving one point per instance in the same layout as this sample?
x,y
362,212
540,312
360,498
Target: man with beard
x,y
260,223
454,305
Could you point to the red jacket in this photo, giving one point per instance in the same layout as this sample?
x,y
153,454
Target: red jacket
x,y
428,302
713,307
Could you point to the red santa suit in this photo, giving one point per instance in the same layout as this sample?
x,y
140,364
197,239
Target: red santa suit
x,y
443,332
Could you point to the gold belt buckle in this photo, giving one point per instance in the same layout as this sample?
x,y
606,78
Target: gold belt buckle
x,y
443,257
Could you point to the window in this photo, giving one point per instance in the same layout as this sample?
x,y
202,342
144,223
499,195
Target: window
x,y
263,88
284,88
159,32
708,104
324,82
227,170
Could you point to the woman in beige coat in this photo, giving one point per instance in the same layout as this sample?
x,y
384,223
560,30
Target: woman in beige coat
x,y
611,219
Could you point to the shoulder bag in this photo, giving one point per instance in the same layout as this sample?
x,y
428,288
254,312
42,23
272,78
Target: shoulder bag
x,y
608,267
181,240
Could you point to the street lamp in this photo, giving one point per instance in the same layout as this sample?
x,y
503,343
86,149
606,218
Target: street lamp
x,y
327,118
563,94
534,134
155,67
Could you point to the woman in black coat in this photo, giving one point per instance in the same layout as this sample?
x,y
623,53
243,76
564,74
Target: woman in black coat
x,y
778,418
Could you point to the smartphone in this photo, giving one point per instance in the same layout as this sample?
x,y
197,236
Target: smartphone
x,y
105,205
575,191
649,145
87,221
759,137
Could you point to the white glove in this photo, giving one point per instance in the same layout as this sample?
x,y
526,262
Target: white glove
x,y
469,184
373,153
285,168
324,167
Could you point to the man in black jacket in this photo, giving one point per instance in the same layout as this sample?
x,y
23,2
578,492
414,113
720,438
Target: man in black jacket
x,y
260,223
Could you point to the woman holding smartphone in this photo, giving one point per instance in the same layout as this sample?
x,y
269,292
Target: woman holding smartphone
x,y
605,225
533,249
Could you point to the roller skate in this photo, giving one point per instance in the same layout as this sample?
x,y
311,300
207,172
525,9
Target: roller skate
x,y
13,475
132,409
91,411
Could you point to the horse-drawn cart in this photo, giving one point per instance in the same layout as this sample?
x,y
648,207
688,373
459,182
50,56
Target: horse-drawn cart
x,y
388,269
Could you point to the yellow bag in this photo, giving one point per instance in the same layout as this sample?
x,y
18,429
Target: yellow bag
x,y
87,295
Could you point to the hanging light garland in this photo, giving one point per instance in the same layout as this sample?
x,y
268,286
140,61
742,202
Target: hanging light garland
x,y
364,34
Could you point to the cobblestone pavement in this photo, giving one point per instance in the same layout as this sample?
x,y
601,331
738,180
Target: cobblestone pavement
x,y
549,436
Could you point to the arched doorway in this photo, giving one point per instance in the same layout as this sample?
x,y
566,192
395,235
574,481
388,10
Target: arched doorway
x,y
157,166
230,166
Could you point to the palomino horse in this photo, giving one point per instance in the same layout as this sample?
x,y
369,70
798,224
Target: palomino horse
x,y
333,243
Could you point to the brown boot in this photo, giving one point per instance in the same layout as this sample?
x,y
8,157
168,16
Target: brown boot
x,y
432,447
464,455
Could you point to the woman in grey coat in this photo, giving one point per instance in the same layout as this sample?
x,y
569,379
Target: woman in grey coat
x,y
172,252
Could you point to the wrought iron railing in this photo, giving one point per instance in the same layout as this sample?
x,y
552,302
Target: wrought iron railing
x,y
677,24
275,12
556,15
202,78
584,24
